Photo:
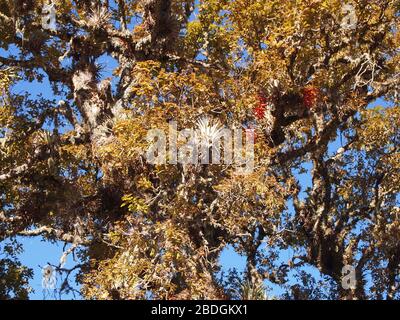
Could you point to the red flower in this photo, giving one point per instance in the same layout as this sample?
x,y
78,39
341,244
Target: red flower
x,y
259,111
310,96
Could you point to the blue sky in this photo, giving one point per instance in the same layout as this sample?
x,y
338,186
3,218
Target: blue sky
x,y
37,254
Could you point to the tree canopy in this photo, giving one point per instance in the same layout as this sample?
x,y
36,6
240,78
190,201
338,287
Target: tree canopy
x,y
315,82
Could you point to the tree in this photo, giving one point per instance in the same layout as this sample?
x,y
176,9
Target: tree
x,y
302,74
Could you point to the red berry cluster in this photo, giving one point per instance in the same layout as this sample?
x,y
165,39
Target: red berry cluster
x,y
310,96
259,111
